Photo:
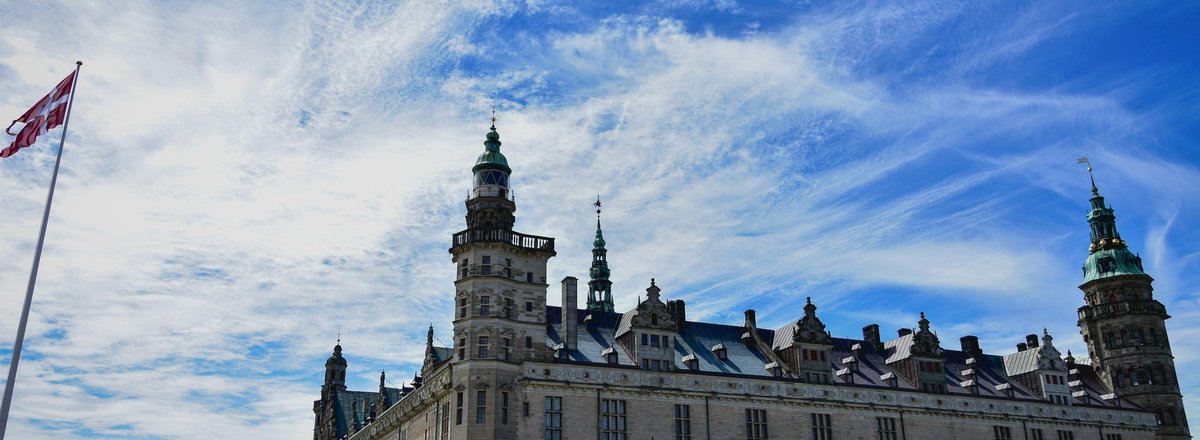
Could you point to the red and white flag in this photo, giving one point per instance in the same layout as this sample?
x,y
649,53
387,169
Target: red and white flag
x,y
48,113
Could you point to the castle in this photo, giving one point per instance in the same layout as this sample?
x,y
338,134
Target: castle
x,y
521,369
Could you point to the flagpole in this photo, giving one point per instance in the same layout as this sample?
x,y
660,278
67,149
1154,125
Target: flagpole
x,y
37,258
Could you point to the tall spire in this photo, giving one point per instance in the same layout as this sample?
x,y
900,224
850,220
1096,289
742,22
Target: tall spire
x,y
1109,255
599,288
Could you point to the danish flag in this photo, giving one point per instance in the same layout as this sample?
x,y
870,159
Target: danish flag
x,y
48,113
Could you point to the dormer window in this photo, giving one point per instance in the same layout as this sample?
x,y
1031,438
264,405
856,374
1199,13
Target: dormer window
x,y
610,355
691,362
720,351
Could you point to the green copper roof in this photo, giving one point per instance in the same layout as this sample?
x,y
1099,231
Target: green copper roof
x,y
1110,263
1109,255
492,157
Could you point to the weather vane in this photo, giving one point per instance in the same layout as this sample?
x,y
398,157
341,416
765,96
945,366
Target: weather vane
x,y
493,117
597,205
1084,159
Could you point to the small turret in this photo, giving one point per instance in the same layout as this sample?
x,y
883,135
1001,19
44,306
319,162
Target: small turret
x,y
335,370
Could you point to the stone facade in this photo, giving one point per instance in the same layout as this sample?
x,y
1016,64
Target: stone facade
x,y
520,369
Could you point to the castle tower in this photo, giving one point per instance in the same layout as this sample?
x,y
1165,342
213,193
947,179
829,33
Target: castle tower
x,y
599,288
1124,326
326,424
500,299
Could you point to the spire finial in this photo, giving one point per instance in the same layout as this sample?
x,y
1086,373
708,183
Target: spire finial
x,y
1085,159
493,118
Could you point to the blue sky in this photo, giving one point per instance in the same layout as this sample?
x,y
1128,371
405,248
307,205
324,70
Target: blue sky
x,y
244,181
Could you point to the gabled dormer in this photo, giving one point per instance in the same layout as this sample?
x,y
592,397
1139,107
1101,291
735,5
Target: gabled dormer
x,y
806,347
1040,368
648,332
918,357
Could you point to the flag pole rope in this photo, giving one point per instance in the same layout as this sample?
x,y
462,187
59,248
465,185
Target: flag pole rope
x,y
37,258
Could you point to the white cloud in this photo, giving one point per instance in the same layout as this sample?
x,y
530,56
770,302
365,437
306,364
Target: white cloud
x,y
242,181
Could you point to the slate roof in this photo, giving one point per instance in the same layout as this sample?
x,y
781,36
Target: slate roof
x,y
349,407
1022,362
442,354
744,359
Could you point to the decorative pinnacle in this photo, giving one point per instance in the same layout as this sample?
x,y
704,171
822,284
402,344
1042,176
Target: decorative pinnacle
x,y
493,118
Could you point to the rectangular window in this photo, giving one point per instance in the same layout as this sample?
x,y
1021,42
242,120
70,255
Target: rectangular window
x,y
485,305
886,427
553,418
458,408
483,347
1002,432
822,427
480,406
462,343
528,342
524,409
1036,434
504,407
612,420
1112,436
756,424
446,421
654,340
1066,435
645,339
683,422
528,277
528,306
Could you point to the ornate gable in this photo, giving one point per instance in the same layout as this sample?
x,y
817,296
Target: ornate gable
x,y
810,329
925,343
653,312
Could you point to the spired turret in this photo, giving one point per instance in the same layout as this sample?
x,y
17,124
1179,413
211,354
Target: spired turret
x,y
599,287
1124,326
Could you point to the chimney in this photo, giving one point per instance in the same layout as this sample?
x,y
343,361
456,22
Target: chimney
x,y
904,332
569,312
1022,347
678,314
750,323
970,346
1031,340
871,335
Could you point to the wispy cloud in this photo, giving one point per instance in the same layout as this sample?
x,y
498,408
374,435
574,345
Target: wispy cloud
x,y
242,181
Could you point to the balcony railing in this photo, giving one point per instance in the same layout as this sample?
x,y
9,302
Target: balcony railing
x,y
1144,305
524,241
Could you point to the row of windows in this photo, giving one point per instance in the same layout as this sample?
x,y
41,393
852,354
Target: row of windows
x,y
485,307
1133,337
484,350
1005,433
656,340
813,355
613,424
1055,379
487,268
